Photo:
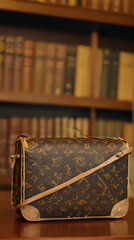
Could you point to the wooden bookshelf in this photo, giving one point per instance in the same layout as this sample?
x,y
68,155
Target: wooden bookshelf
x,y
69,25
65,100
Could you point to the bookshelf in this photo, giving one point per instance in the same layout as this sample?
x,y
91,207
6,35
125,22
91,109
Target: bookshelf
x,y
70,26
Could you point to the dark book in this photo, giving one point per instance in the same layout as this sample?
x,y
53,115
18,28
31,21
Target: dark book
x,y
70,69
106,71
18,64
9,63
113,75
2,54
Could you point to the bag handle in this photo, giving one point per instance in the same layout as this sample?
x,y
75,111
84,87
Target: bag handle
x,y
114,158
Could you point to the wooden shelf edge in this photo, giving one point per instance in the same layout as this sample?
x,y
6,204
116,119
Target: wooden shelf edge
x,y
65,101
76,13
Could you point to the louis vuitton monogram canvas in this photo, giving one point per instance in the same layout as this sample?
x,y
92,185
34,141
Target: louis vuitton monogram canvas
x,y
47,163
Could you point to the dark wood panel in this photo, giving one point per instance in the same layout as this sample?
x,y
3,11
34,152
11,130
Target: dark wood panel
x,y
13,226
65,100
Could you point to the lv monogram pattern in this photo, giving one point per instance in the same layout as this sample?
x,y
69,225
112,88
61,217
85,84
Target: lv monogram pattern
x,y
50,162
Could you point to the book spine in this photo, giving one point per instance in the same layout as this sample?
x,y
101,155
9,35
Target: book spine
x,y
25,126
106,5
116,6
34,127
105,72
94,4
113,76
125,7
49,70
82,84
64,126
42,127
78,127
98,73
9,63
58,133
27,65
4,164
2,54
84,3
18,64
50,127
59,69
38,69
85,127
72,3
71,127
70,70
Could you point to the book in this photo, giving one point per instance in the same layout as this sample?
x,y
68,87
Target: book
x,y
71,127
34,127
2,55
59,68
49,68
70,68
94,4
106,5
84,3
106,71
64,121
58,132
116,6
50,127
127,132
25,126
18,64
100,127
98,73
9,63
72,3
82,86
126,6
78,127
15,129
126,76
4,164
85,127
42,127
113,75
38,66
27,66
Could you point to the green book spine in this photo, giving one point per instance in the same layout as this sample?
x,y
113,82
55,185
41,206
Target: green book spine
x,y
70,69
106,65
113,77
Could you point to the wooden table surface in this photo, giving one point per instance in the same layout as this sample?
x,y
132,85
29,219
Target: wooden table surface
x,y
13,226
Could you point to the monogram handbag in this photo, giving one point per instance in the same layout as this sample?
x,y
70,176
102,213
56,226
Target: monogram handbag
x,y
69,178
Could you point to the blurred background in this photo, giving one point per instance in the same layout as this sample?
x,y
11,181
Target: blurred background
x,y
66,70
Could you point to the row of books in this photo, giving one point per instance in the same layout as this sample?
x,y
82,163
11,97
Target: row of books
x,y
45,68
114,128
11,128
117,6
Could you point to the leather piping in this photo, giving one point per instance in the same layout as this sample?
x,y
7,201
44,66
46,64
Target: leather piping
x,y
114,158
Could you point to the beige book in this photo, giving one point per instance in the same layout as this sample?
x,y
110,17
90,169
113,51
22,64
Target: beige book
x,y
34,127
25,126
78,127
71,127
50,127
94,4
64,127
116,5
127,132
42,127
106,5
83,72
58,127
85,127
126,76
